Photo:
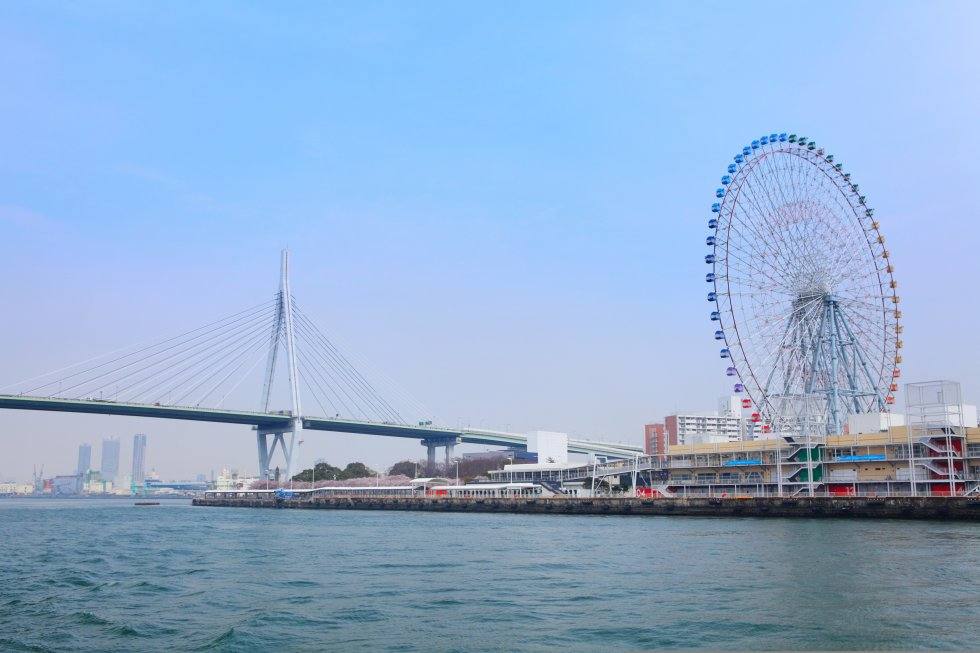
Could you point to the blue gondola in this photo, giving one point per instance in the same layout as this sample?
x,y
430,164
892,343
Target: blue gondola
x,y
732,168
746,150
710,241
719,192
709,258
755,145
739,388
811,145
716,208
773,138
830,158
726,180
764,140
869,212
725,353
739,158
782,137
710,277
719,335
712,296
715,316
713,223
730,371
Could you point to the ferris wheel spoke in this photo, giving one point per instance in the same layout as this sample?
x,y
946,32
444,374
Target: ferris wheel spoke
x,y
766,348
774,235
755,265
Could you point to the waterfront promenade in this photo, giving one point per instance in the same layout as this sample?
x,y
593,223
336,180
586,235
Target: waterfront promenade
x,y
939,508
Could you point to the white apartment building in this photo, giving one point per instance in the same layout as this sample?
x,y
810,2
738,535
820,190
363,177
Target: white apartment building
x,y
725,425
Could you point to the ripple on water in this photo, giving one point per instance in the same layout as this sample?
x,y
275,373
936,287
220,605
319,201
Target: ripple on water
x,y
15,645
149,587
89,619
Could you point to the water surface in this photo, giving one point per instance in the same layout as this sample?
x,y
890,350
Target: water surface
x,y
105,575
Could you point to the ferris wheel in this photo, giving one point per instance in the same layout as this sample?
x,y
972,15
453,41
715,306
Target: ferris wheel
x,y
802,285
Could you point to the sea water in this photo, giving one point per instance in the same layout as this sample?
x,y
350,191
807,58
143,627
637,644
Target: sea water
x,y
106,575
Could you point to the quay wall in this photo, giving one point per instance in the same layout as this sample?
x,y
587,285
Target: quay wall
x,y
941,508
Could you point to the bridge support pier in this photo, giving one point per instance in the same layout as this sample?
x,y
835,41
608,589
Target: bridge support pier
x,y
430,456
266,452
450,449
430,450
262,440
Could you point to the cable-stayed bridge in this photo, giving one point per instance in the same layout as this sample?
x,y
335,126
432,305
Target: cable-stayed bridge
x,y
197,374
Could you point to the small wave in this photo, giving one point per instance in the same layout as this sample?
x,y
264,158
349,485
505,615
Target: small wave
x,y
445,602
123,630
231,640
78,581
301,583
578,598
359,615
151,588
7,644
192,572
90,619
417,565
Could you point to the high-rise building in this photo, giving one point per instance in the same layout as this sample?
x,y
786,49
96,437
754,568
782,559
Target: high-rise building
x,y
656,440
110,459
84,458
139,459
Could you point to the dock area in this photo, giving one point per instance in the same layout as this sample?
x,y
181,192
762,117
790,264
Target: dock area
x,y
937,508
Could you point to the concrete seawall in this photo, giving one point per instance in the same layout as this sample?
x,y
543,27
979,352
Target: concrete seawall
x,y
942,508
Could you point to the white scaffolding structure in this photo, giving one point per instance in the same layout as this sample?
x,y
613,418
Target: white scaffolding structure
x,y
936,426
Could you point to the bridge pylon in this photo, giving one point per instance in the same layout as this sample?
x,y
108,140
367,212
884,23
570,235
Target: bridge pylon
x,y
282,336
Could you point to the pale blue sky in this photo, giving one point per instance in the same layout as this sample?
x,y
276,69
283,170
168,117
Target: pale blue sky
x,y
503,205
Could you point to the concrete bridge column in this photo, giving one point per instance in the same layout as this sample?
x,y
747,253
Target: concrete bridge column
x,y
430,450
263,444
430,456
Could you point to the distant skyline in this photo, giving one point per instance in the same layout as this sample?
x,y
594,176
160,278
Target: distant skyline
x,y
503,207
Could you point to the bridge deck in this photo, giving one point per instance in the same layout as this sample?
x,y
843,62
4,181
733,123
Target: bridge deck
x,y
283,420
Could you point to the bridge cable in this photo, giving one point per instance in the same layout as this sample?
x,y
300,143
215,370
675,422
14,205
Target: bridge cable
x,y
330,381
213,335
340,376
312,372
239,358
380,404
258,360
376,404
306,381
143,348
391,385
206,360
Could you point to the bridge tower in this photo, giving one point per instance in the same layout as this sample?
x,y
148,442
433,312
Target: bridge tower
x,y
282,337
